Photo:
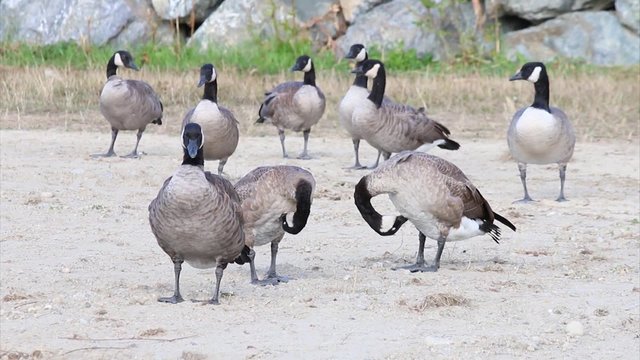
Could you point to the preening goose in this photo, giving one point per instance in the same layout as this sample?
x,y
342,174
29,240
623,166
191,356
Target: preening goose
x,y
356,93
197,216
295,105
218,124
269,194
434,195
391,127
127,104
540,134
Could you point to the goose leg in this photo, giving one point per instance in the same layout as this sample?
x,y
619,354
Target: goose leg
x,y
221,164
216,293
523,177
420,265
110,152
272,277
252,267
281,134
304,155
377,160
134,154
356,148
563,170
176,298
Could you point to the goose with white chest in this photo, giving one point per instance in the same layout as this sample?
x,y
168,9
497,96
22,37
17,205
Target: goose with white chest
x,y
540,134
391,127
295,105
434,195
127,104
219,126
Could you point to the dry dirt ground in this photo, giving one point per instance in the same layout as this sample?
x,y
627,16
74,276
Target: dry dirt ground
x,y
80,269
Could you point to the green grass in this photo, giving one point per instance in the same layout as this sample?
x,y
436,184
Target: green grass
x,y
263,57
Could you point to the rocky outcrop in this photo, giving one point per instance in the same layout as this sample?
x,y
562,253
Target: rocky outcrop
x,y
539,10
84,21
240,20
578,35
352,9
434,31
183,9
629,14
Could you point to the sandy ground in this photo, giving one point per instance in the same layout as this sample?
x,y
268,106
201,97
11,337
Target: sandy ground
x,y
80,269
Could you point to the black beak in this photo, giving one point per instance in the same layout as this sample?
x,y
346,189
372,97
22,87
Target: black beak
x,y
296,67
517,76
357,70
192,148
133,66
351,55
203,80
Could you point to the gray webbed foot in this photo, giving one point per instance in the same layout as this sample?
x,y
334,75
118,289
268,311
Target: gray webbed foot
x,y
271,280
356,167
417,268
107,154
304,156
561,199
525,200
172,299
133,155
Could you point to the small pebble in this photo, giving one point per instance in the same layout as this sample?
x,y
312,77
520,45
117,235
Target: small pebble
x,y
46,195
575,328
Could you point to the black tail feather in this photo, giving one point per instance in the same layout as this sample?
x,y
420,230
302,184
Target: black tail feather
x,y
493,230
449,145
504,221
244,257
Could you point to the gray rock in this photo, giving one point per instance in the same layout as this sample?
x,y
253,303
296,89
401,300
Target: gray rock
x,y
181,9
629,13
409,23
594,36
352,9
83,21
540,10
236,21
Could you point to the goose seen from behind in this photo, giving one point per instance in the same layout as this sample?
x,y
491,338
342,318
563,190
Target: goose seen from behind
x,y
275,200
540,134
219,126
127,104
197,217
294,105
391,127
434,195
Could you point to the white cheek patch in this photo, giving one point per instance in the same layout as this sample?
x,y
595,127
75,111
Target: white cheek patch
x,y
307,67
213,75
289,218
387,222
373,72
535,74
182,137
117,60
361,55
202,137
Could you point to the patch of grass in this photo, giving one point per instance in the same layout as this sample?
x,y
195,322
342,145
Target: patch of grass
x,y
440,300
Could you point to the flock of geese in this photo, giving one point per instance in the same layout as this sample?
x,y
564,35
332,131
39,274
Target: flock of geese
x,y
207,221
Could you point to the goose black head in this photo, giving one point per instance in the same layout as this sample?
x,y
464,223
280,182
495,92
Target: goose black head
x,y
357,52
530,71
303,63
123,58
207,74
369,68
192,140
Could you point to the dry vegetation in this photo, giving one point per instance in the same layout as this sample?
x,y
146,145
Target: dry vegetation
x,y
471,105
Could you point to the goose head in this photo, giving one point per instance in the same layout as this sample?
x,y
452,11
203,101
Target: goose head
x,y
369,68
207,74
303,63
192,140
530,71
123,58
357,52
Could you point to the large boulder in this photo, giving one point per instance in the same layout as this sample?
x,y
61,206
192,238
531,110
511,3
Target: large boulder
x,y
236,21
594,36
352,9
83,21
435,31
629,13
182,9
539,10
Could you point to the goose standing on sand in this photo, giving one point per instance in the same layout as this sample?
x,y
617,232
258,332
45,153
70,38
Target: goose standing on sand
x,y
269,194
127,104
540,134
295,105
197,216
434,195
218,124
391,127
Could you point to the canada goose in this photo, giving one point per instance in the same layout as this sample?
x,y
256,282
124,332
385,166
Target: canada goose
x,y
356,92
295,105
197,216
540,134
392,127
434,195
127,104
219,126
269,194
